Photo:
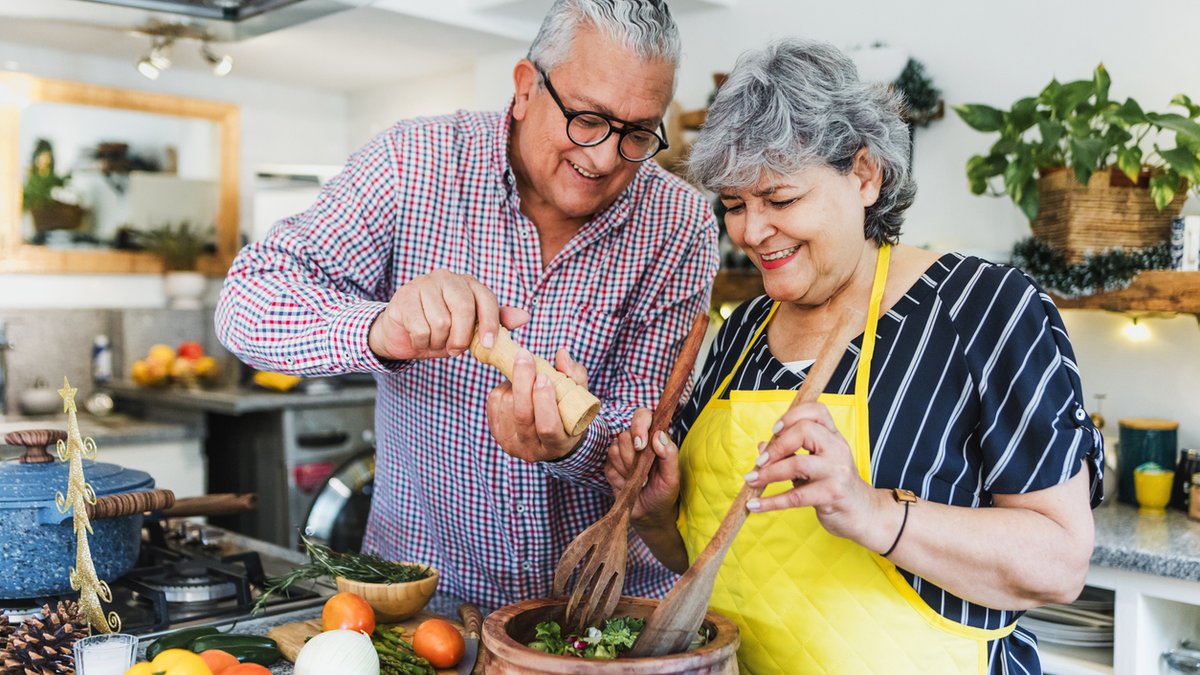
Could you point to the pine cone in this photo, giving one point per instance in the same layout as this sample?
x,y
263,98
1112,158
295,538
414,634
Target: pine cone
x,y
45,646
6,629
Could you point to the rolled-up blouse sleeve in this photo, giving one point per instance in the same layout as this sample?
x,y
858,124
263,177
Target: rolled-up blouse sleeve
x,y
1034,431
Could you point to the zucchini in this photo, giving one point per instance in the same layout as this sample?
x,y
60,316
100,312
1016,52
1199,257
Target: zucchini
x,y
180,639
253,648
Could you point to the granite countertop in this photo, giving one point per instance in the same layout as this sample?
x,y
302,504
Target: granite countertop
x,y
240,400
110,430
1166,546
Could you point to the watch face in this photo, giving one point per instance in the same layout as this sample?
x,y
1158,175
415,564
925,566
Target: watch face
x,y
902,495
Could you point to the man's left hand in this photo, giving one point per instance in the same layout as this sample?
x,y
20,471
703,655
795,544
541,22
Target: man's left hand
x,y
523,413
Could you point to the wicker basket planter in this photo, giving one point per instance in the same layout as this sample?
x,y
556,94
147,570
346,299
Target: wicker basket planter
x,y
57,216
1109,213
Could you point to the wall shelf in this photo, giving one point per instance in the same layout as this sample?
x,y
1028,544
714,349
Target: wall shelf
x,y
1151,291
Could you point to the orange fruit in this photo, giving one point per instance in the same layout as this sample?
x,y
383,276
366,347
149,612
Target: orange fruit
x,y
440,642
247,669
161,353
218,660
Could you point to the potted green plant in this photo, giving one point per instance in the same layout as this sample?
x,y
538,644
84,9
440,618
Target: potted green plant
x,y
179,247
46,195
1091,173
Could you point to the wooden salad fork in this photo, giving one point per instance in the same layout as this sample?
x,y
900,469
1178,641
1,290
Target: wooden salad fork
x,y
673,624
606,542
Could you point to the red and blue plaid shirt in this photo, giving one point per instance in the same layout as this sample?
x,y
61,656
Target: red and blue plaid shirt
x,y
440,193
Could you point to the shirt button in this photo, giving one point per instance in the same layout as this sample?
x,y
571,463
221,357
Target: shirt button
x,y
1080,415
526,565
520,507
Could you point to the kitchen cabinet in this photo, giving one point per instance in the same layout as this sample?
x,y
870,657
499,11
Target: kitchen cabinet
x,y
1153,566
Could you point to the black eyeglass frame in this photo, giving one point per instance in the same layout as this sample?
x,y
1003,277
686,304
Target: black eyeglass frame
x,y
622,131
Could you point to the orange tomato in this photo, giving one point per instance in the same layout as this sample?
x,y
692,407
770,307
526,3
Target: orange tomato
x,y
348,611
440,642
247,669
218,661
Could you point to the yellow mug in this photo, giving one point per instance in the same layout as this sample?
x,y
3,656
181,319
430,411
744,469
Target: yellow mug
x,y
1153,489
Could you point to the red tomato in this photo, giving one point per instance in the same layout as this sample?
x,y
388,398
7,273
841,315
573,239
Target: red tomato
x,y
190,350
348,611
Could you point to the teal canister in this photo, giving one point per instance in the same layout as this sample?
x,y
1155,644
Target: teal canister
x,y
1144,440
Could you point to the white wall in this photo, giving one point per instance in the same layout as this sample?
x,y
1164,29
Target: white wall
x,y
979,52
280,124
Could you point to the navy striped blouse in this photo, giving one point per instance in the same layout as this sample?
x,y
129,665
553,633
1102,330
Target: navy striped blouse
x,y
974,392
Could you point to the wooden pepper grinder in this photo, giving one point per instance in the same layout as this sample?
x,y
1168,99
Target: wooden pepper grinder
x,y
576,405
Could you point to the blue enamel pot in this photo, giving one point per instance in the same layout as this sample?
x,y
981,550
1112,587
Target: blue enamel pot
x,y
37,540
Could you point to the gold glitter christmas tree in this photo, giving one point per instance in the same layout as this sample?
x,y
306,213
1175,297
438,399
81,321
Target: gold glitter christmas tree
x,y
79,494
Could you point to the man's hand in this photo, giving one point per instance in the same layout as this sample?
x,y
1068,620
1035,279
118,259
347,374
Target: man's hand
x,y
523,413
435,315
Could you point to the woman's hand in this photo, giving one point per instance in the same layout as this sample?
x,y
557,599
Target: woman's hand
x,y
825,479
656,503
523,412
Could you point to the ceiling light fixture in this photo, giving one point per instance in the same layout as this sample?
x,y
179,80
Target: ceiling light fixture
x,y
220,65
164,35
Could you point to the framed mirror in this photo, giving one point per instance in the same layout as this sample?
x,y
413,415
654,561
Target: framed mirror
x,y
84,168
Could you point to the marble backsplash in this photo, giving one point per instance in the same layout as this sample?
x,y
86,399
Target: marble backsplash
x,y
50,343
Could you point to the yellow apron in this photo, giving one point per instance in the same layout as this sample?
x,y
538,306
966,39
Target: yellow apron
x,y
805,600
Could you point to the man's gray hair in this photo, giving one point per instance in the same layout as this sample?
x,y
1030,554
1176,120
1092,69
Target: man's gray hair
x,y
644,27
798,104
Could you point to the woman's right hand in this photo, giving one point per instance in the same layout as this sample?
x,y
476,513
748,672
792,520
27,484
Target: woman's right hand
x,y
656,505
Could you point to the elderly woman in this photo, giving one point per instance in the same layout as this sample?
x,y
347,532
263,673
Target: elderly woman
x,y
949,469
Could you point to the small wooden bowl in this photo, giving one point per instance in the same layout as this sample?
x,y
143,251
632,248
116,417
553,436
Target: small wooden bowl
x,y
393,602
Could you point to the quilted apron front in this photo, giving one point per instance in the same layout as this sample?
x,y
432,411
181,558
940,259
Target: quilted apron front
x,y
805,600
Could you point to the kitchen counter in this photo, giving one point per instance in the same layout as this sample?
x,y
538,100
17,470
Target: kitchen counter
x,y
239,400
1165,547
111,430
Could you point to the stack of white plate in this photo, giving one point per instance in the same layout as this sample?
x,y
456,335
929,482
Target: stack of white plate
x,y
1087,622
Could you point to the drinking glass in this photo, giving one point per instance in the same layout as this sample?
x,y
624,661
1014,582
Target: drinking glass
x,y
105,654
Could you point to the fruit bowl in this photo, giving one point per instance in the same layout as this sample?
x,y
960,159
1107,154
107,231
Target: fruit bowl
x,y
393,602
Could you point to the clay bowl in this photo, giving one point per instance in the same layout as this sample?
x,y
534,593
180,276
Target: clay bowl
x,y
507,630
393,602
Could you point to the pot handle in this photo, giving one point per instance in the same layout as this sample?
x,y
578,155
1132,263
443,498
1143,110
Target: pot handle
x,y
220,504
129,503
36,443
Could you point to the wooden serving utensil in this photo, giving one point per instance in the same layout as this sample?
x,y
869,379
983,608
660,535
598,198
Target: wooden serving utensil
x,y
577,406
673,624
606,542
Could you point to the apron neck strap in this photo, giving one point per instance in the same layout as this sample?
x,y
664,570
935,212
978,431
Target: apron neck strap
x,y
862,377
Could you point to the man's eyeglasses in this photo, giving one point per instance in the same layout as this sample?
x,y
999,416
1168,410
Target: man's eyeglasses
x,y
586,128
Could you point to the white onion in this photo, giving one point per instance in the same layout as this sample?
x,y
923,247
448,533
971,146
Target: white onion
x,y
338,651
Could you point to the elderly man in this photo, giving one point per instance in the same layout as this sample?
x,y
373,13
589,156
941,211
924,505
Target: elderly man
x,y
545,218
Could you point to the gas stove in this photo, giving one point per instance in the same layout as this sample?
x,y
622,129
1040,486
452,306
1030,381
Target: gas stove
x,y
192,574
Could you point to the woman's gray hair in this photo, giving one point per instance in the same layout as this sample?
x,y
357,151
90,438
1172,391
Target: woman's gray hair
x,y
644,27
798,104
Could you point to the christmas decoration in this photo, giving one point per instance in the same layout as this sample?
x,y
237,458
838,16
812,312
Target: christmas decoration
x,y
1108,271
45,646
83,576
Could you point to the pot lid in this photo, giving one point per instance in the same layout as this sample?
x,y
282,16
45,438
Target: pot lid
x,y
35,484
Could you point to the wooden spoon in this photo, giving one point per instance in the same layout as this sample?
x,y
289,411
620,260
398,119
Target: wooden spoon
x,y
673,625
606,542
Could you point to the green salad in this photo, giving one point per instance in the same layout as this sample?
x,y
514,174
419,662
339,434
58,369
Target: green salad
x,y
610,642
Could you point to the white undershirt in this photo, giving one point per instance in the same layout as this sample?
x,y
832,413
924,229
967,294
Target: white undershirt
x,y
798,367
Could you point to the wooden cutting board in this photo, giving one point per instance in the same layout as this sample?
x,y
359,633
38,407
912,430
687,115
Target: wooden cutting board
x,y
291,636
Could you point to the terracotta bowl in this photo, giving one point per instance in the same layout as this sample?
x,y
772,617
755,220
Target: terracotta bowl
x,y
507,630
393,602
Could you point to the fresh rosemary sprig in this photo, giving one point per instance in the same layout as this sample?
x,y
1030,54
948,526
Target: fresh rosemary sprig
x,y
324,561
